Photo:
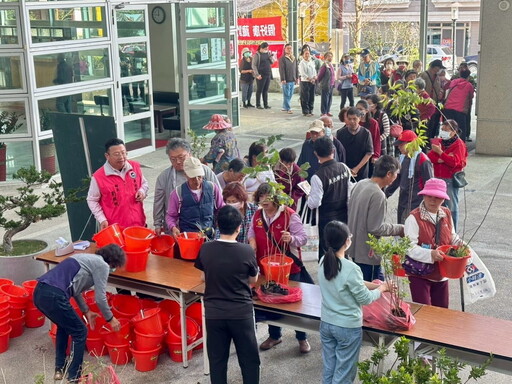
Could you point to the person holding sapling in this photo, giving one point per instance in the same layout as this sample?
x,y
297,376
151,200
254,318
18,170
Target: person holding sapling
x,y
343,293
429,226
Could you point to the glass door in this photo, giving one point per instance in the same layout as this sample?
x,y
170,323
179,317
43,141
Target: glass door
x,y
131,62
209,83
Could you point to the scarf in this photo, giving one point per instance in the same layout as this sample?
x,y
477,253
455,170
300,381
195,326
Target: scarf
x,y
427,216
411,164
447,143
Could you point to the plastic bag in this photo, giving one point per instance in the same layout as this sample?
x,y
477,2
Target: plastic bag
x,y
378,314
294,295
106,376
477,280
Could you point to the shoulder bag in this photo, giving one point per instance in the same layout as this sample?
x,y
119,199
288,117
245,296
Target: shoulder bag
x,y
419,268
459,179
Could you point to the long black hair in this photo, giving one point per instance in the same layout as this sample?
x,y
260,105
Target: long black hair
x,y
336,234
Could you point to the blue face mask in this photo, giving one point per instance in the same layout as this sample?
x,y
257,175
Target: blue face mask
x,y
247,54
328,131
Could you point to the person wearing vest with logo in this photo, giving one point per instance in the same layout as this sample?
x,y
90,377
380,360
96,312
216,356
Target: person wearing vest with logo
x,y
193,204
421,227
118,189
277,229
326,78
67,280
329,189
416,169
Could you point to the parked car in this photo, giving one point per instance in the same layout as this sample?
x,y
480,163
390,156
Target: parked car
x,y
440,52
472,63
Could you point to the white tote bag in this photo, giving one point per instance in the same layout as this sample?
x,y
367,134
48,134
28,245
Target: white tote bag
x,y
477,280
309,252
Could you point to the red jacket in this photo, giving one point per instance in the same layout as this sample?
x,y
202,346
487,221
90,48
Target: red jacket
x,y
118,197
427,235
454,159
460,95
426,110
373,127
264,245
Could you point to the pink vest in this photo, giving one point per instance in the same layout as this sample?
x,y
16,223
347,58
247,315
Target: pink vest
x,y
118,197
427,235
266,247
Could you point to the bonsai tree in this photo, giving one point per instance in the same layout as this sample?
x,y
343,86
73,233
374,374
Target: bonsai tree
x,y
392,251
29,206
9,123
415,370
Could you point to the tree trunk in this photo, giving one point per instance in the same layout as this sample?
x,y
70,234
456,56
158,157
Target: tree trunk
x,y
8,235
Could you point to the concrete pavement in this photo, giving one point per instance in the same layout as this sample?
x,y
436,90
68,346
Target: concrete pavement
x,y
485,219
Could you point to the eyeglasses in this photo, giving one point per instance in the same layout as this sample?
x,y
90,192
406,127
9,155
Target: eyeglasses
x,y
180,159
118,154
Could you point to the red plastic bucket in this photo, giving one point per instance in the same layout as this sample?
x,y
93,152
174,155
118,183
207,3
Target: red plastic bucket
x,y
6,282
125,306
34,318
195,311
138,238
17,309
145,360
190,243
4,304
4,339
163,245
148,303
174,326
110,235
95,333
30,285
18,326
397,266
452,267
148,321
171,307
5,325
136,261
5,317
148,342
175,352
96,346
277,268
15,293
115,338
119,354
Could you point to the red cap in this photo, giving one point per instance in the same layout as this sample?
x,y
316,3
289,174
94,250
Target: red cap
x,y
406,137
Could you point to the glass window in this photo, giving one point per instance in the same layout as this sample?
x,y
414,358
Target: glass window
x,y
48,156
61,24
137,134
235,116
19,154
8,27
12,118
11,72
206,51
204,18
204,86
98,103
71,67
135,97
234,79
133,59
131,23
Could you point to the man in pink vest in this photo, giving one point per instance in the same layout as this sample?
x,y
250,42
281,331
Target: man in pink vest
x,y
118,189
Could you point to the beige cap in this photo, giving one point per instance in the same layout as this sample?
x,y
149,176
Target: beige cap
x,y
316,126
193,167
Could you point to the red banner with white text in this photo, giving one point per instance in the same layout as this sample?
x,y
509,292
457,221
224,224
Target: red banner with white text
x,y
261,28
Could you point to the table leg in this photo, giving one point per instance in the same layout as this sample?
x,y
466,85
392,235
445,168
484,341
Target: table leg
x,y
206,361
184,339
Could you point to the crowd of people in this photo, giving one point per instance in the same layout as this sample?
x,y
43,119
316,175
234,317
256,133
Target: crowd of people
x,y
352,171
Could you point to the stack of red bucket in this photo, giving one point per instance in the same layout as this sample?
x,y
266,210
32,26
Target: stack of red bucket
x,y
149,336
18,298
34,318
5,317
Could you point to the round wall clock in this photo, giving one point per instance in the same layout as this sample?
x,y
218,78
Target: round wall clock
x,y
158,15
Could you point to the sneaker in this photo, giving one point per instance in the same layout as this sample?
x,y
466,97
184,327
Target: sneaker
x,y
59,375
310,114
304,346
259,107
249,105
267,107
290,112
270,343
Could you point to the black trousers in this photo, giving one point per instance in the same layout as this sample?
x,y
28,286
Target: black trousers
x,y
262,90
219,333
347,93
307,97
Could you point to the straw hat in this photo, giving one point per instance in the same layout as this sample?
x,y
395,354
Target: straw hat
x,y
436,188
217,122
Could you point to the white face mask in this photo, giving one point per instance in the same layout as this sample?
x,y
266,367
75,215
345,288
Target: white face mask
x,y
445,135
328,131
236,205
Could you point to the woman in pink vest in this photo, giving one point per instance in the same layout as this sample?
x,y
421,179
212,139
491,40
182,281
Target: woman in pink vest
x,y
277,229
429,226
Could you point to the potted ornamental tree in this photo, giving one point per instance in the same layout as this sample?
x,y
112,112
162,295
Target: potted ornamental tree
x,y
38,198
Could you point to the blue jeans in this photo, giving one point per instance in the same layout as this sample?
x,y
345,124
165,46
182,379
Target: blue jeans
x,y
55,305
287,95
371,272
453,203
340,353
326,100
275,332
247,92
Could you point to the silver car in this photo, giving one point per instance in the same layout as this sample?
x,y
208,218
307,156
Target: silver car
x,y
440,52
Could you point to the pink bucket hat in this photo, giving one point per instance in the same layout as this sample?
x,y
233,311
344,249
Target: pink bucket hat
x,y
436,188
217,122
